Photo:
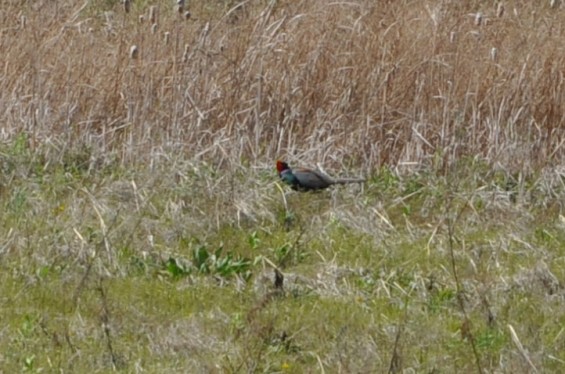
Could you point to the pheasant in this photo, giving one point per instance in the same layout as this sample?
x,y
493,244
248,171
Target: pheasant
x,y
302,179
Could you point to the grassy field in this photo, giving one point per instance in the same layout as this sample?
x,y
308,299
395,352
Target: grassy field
x,y
143,227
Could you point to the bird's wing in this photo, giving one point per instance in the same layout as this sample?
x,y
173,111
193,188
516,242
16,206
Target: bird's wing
x,y
313,177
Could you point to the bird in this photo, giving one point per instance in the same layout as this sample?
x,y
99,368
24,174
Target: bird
x,y
302,179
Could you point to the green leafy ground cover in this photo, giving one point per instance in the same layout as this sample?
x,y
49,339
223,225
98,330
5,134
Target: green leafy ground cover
x,y
111,269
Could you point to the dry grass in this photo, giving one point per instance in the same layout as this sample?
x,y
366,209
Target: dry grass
x,y
349,83
134,142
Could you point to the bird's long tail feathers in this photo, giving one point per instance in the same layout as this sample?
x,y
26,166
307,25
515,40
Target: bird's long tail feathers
x,y
348,180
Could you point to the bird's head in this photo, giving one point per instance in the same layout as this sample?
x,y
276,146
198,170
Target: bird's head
x,y
282,166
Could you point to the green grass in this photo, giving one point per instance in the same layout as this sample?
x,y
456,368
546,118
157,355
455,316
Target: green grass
x,y
101,270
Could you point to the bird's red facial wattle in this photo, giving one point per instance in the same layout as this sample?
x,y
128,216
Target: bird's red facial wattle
x,y
281,166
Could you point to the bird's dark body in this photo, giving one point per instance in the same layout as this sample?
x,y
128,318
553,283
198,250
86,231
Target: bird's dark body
x,y
301,179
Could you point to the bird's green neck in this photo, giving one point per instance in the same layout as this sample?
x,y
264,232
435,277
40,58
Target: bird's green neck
x,y
289,178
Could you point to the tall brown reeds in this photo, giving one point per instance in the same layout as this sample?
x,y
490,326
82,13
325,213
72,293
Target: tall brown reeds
x,y
358,82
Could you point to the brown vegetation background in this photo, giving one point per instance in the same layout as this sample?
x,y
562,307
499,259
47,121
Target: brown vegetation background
x,y
359,83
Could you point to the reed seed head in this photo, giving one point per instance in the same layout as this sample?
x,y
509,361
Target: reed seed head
x,y
493,53
133,52
180,6
500,10
185,55
153,14
478,19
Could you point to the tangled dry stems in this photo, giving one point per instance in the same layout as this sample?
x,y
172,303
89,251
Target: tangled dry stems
x,y
347,83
